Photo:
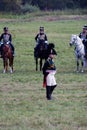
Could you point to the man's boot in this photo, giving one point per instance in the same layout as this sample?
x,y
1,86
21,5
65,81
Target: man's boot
x,y
52,88
48,92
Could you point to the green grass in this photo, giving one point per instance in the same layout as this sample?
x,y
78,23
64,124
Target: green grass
x,y
23,105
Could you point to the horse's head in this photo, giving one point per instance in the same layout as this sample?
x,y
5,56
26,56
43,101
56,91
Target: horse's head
x,y
42,46
73,40
5,48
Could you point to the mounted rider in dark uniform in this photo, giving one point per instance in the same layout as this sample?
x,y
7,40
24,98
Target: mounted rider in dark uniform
x,y
40,38
6,38
83,36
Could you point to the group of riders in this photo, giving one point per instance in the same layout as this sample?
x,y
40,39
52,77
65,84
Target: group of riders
x,y
41,38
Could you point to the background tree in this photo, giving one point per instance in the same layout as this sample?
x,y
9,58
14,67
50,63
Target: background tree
x,y
10,5
21,5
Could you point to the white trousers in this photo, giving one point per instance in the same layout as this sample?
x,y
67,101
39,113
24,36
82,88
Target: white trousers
x,y
50,80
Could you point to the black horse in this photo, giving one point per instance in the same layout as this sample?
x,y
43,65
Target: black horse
x,y
42,52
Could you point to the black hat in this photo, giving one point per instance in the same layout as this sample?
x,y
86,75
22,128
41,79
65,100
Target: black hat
x,y
5,28
41,28
53,52
85,27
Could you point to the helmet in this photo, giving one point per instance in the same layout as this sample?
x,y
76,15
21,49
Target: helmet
x,y
5,28
41,28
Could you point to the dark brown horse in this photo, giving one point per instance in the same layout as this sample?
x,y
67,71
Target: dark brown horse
x,y
7,58
42,53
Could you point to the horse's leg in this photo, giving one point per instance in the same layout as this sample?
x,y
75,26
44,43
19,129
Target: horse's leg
x,y
40,64
77,65
82,70
11,65
5,64
4,71
82,63
36,64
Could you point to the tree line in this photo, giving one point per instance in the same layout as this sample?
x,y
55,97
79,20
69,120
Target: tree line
x,y
26,5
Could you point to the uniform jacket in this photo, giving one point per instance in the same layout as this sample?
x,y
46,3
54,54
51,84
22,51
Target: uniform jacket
x,y
40,37
48,67
6,37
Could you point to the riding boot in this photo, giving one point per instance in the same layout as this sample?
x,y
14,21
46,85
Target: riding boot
x,y
52,88
48,92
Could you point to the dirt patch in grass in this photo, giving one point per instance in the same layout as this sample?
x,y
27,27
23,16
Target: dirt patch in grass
x,y
63,17
46,18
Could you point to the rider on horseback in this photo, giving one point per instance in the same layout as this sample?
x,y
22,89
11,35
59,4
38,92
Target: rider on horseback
x,y
83,36
7,38
41,38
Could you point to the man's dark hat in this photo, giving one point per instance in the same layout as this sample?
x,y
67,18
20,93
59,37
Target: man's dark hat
x,y
85,27
51,49
53,52
41,28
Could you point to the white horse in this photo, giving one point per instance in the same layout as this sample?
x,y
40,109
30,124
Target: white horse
x,y
79,50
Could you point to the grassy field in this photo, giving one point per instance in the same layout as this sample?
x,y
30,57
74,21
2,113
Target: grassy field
x,y
23,105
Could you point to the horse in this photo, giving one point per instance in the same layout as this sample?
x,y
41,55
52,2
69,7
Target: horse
x,y
42,53
7,57
79,51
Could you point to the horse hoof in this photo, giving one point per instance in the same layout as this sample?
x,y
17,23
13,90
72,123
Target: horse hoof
x,y
11,72
4,71
82,71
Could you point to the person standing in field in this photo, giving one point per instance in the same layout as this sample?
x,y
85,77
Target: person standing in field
x,y
49,71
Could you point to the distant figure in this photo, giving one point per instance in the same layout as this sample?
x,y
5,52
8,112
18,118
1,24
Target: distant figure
x,y
49,70
6,38
83,36
41,38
